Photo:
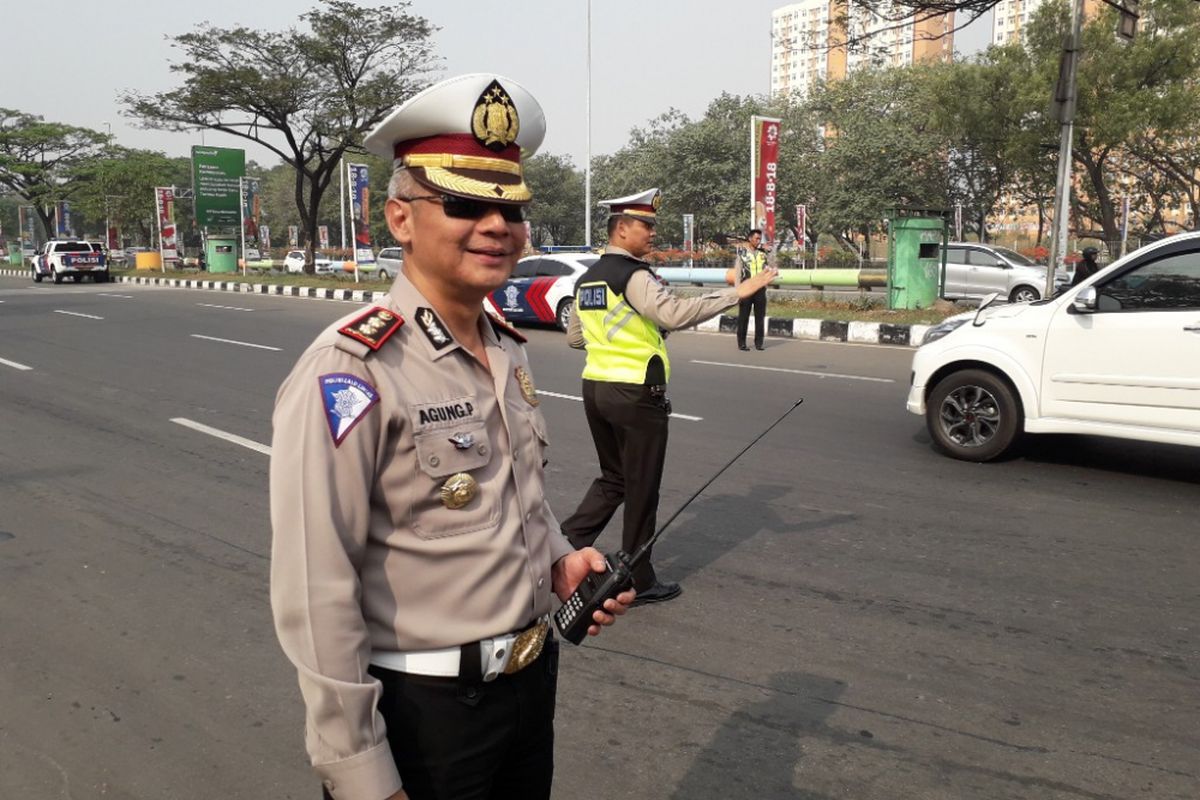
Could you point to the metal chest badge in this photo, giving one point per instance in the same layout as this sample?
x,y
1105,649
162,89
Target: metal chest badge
x,y
458,490
528,390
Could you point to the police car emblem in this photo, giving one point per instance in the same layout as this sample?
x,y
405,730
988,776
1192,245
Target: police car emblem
x,y
510,298
346,399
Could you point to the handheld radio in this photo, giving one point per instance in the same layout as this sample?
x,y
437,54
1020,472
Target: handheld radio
x,y
575,616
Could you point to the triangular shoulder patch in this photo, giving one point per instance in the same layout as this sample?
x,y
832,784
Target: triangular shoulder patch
x,y
373,327
504,326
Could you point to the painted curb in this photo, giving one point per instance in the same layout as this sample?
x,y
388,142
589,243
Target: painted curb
x,y
825,330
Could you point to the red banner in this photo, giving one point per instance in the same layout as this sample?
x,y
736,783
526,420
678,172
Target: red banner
x,y
168,244
765,163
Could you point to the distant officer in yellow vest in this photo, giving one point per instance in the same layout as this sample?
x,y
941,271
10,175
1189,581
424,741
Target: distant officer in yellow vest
x,y
751,262
621,313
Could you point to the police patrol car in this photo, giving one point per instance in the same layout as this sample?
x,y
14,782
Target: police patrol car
x,y
542,288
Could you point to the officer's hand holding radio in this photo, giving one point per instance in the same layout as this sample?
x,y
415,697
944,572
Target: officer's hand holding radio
x,y
571,570
749,286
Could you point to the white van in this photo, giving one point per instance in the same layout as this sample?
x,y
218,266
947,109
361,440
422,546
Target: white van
x,y
1117,355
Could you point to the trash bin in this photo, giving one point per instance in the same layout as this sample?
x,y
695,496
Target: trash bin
x,y
916,255
220,253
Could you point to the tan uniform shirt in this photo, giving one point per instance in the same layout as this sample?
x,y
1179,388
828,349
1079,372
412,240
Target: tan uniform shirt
x,y
658,304
365,554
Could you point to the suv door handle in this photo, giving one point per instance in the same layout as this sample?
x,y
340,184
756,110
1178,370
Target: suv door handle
x,y
1192,328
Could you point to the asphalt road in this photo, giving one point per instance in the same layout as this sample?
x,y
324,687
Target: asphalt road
x,y
862,617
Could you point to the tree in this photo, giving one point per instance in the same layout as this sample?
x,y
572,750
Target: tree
x,y
308,96
118,186
40,160
556,214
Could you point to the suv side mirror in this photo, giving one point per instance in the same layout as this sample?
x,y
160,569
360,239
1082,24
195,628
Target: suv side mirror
x,y
1085,301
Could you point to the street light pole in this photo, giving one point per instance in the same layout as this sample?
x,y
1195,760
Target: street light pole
x,y
587,167
1062,187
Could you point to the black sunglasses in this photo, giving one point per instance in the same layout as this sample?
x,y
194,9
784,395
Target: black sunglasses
x,y
462,208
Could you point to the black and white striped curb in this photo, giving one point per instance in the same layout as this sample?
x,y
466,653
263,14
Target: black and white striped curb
x,y
825,330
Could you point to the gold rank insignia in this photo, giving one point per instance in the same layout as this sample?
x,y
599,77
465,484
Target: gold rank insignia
x,y
458,490
657,201
528,390
494,121
374,327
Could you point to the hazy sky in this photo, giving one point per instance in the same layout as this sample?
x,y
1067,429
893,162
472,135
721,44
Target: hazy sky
x,y
67,60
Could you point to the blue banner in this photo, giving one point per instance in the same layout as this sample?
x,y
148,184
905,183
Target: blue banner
x,y
360,216
62,216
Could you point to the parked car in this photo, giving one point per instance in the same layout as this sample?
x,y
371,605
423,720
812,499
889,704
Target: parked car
x,y
389,261
1118,355
976,270
294,262
542,288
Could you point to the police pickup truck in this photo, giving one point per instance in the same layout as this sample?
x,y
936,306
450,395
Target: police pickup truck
x,y
60,258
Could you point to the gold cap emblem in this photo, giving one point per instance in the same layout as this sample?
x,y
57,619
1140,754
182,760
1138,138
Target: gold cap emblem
x,y
528,390
458,490
494,121
656,202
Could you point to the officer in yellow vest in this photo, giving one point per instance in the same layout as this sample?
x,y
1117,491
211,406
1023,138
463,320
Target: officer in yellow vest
x,y
621,314
751,262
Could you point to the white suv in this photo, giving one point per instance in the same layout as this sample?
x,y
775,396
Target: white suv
x,y
974,271
70,258
1117,355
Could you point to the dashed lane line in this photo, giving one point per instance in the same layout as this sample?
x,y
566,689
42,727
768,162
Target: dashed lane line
x,y
76,314
225,308
813,373
14,364
577,399
234,341
249,444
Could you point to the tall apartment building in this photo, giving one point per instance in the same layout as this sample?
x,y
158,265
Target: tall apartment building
x,y
1011,16
808,42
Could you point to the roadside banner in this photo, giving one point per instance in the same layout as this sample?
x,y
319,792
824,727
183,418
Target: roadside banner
x,y
689,235
25,222
62,219
114,238
958,222
168,245
360,214
764,169
251,207
293,236
216,173
264,240
322,236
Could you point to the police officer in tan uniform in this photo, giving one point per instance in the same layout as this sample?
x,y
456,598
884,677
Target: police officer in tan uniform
x,y
620,316
414,557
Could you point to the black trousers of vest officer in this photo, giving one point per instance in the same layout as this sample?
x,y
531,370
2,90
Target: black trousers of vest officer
x,y
463,739
758,301
629,428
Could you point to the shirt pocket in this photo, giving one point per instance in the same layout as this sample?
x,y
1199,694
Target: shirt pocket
x,y
541,439
440,457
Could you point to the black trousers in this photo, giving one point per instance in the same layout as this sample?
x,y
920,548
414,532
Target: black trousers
x,y
629,429
758,301
476,741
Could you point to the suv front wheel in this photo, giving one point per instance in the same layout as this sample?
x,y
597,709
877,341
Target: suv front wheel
x,y
973,415
1024,294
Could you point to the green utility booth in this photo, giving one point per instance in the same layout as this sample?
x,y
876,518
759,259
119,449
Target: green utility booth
x,y
220,253
916,257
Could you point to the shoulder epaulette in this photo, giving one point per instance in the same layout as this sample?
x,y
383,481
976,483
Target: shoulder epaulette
x,y
504,326
374,327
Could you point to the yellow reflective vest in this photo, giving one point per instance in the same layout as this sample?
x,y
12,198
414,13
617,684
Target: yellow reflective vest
x,y
752,262
622,345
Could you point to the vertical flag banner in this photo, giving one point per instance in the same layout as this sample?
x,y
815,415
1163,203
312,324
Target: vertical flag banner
x,y
25,221
168,241
764,169
360,214
62,220
264,240
251,211
293,236
322,236
689,235
958,222
114,238
1124,222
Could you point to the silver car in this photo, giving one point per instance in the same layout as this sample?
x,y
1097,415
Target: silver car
x,y
976,270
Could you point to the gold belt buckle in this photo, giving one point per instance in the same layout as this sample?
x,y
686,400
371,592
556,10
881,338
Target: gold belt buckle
x,y
527,647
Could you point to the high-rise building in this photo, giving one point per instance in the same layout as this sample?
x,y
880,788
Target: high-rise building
x,y
1011,16
808,42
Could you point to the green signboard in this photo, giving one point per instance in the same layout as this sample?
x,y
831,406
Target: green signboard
x,y
216,172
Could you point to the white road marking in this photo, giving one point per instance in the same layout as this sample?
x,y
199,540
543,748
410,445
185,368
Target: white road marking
x,y
229,437
226,308
76,314
797,371
13,364
577,399
122,296
791,340
233,341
